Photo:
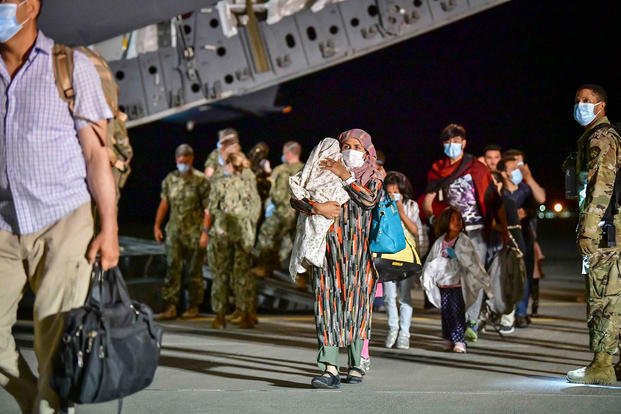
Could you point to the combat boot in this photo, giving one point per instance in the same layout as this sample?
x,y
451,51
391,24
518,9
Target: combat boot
x,y
599,371
234,315
192,312
247,321
219,321
169,313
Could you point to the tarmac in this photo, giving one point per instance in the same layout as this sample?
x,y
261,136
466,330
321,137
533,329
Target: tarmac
x,y
268,369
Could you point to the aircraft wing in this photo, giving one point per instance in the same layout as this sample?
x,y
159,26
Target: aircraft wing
x,y
85,22
199,60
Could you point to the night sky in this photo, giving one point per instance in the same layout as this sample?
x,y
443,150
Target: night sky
x,y
508,74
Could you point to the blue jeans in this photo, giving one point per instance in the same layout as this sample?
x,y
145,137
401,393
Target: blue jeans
x,y
522,306
402,319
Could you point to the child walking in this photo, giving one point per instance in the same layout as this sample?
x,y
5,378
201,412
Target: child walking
x,y
453,276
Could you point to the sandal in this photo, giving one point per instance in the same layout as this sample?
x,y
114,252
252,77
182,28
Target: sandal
x,y
327,382
354,379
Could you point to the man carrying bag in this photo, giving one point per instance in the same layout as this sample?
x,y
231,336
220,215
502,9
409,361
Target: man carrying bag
x,y
111,345
53,167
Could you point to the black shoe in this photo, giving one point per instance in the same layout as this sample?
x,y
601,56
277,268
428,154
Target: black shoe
x,y
327,382
354,379
521,322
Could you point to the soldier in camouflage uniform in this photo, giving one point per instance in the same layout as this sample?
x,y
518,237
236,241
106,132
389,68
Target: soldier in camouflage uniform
x,y
183,198
233,210
599,156
228,141
274,241
120,153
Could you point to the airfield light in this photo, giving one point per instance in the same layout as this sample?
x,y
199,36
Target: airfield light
x,y
287,109
558,207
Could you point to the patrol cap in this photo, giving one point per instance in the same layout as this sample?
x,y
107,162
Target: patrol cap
x,y
184,149
228,136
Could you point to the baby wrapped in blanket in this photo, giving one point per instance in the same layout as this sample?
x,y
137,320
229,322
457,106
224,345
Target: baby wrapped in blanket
x,y
317,184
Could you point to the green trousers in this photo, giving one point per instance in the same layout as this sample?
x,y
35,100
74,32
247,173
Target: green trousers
x,y
183,254
329,355
604,301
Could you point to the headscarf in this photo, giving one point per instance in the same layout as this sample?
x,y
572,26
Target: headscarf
x,y
365,172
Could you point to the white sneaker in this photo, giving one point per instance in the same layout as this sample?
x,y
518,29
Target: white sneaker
x,y
391,338
365,364
459,347
403,342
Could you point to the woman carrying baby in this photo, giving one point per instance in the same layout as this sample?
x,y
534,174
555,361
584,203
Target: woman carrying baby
x,y
344,286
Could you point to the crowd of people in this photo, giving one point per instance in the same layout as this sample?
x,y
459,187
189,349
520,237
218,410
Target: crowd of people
x,y
241,215
313,218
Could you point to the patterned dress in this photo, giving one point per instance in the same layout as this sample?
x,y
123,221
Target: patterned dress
x,y
345,286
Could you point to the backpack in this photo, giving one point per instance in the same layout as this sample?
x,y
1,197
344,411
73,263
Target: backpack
x,y
120,151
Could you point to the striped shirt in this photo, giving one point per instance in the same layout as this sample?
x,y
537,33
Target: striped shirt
x,y
42,167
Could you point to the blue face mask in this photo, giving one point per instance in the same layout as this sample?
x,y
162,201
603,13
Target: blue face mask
x,y
452,150
183,168
516,176
584,113
8,21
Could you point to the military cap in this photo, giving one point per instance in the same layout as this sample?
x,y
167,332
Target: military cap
x,y
184,149
228,136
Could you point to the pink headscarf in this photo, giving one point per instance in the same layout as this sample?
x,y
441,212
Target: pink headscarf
x,y
365,172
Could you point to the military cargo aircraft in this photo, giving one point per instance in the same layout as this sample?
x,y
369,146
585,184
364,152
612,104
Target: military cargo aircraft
x,y
213,60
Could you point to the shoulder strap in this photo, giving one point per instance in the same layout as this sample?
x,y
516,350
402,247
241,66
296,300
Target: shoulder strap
x,y
62,61
465,163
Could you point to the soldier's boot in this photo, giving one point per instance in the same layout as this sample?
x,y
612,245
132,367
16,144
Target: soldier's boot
x,y
599,371
219,321
247,321
236,314
260,271
191,312
169,313
618,370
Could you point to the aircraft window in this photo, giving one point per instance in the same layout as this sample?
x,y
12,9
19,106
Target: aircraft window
x,y
221,51
372,10
355,22
334,29
290,40
195,87
152,70
214,23
229,79
120,75
311,33
418,3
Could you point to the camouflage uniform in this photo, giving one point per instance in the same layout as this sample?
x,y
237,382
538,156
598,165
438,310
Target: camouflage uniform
x,y
187,199
274,242
234,205
601,158
213,162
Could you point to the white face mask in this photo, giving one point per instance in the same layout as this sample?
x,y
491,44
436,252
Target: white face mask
x,y
395,196
353,158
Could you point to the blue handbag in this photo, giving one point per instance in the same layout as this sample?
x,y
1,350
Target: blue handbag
x,y
387,234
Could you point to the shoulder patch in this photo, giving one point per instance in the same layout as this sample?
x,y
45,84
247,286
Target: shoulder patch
x,y
594,153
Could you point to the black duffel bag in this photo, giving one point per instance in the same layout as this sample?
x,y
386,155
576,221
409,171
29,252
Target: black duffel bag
x,y
110,347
